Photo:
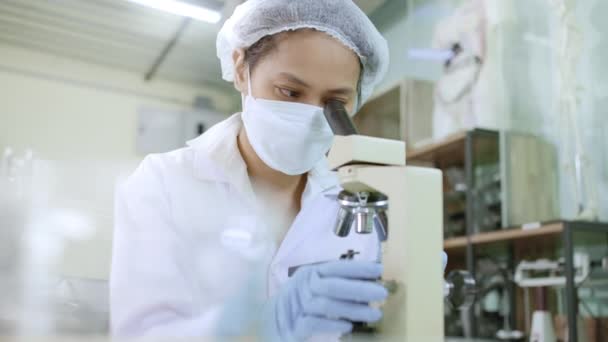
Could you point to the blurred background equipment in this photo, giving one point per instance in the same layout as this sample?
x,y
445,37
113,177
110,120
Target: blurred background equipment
x,y
457,93
460,290
542,325
163,131
56,239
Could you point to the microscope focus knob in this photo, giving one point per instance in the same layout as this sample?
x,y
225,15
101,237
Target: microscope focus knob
x,y
460,289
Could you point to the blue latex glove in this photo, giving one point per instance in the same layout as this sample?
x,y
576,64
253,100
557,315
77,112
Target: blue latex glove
x,y
444,258
323,299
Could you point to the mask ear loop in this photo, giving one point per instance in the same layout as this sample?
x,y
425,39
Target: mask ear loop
x,y
249,82
243,96
358,97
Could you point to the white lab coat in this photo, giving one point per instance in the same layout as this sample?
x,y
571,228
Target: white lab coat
x,y
186,235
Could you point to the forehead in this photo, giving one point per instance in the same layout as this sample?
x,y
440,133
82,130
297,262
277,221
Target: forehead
x,y
315,57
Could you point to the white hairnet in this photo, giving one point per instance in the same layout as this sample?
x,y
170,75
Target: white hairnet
x,y
341,19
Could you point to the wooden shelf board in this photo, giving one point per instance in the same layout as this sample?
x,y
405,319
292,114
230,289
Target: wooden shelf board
x,y
503,236
455,243
516,234
430,151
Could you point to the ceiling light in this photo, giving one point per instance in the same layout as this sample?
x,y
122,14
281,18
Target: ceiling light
x,y
183,9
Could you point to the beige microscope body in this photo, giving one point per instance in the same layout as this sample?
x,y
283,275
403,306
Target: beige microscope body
x,y
411,253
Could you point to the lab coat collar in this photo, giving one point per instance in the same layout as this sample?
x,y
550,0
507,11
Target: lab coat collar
x,y
213,152
217,158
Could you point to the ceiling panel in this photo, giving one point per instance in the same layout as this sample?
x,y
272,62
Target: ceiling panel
x,y
120,34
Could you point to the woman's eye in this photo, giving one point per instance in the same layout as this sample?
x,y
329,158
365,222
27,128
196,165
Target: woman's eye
x,y
288,93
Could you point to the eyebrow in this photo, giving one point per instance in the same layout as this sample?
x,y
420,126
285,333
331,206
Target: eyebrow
x,y
294,79
343,91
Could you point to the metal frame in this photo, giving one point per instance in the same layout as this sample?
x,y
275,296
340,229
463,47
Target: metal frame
x,y
571,293
469,160
470,180
511,287
567,236
505,179
470,253
471,137
570,229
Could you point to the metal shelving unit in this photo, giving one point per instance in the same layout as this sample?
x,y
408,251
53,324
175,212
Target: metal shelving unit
x,y
477,147
569,235
562,232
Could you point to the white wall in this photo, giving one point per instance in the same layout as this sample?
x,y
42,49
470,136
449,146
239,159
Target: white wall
x,y
531,69
66,109
81,119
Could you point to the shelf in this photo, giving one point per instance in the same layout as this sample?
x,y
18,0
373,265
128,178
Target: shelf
x,y
452,144
455,243
503,236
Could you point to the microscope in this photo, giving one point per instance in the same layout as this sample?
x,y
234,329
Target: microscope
x,y
403,206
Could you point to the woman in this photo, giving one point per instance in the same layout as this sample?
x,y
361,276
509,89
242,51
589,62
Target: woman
x,y
248,198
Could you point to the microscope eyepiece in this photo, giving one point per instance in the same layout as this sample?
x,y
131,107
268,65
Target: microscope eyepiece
x,y
338,119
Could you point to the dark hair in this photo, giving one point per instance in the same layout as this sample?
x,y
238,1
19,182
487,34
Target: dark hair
x,y
267,44
261,49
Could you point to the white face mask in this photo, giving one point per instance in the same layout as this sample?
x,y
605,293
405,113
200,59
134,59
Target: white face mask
x,y
289,137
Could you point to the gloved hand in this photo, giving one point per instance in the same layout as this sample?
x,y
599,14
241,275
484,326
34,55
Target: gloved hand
x,y
444,258
324,299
